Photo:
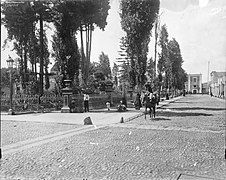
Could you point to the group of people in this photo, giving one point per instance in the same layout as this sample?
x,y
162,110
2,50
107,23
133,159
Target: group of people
x,y
147,99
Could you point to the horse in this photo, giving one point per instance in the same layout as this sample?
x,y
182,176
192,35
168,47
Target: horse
x,y
149,103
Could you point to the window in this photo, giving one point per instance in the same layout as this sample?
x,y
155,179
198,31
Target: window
x,y
194,79
194,86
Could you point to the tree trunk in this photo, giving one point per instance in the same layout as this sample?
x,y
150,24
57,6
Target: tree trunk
x,y
87,54
34,54
22,67
82,51
90,41
25,64
156,42
41,55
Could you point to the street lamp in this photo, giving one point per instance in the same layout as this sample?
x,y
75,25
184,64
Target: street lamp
x,y
10,66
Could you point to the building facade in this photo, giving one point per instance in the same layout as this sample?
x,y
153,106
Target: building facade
x,y
217,83
194,83
205,88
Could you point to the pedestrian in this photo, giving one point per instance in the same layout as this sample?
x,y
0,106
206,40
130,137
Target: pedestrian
x,y
86,102
153,102
108,106
211,94
121,107
137,102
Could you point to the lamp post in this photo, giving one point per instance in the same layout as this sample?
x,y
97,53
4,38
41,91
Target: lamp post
x,y
10,66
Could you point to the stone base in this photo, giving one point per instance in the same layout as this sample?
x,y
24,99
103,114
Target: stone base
x,y
65,109
77,110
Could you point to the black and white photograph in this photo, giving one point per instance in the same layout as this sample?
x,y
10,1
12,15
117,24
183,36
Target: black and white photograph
x,y
113,90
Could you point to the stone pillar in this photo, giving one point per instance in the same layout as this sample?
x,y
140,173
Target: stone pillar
x,y
67,93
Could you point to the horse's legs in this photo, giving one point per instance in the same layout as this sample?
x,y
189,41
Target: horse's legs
x,y
145,112
150,112
154,111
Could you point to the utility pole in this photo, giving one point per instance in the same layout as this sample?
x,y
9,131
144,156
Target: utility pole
x,y
208,85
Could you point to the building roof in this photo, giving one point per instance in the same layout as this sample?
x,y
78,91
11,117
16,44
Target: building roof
x,y
218,74
194,74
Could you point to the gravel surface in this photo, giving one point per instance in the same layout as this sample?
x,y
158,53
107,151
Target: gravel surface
x,y
15,131
133,150
121,153
196,112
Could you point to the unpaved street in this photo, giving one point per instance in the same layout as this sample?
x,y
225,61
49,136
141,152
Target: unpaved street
x,y
187,137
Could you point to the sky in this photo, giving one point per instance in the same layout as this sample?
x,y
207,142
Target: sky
x,y
199,26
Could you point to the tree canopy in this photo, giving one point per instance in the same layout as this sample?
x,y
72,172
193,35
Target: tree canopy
x,y
137,18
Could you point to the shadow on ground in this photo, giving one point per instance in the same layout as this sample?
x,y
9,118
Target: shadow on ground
x,y
197,108
186,102
180,114
160,119
112,111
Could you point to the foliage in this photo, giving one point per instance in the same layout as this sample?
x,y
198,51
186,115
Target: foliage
x,y
115,71
90,13
104,65
178,73
151,69
64,42
170,62
163,43
137,18
71,16
5,76
20,20
126,70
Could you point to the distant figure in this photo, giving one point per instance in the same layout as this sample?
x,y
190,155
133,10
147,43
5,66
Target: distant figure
x,y
121,107
108,106
211,94
137,102
184,92
153,102
86,102
124,101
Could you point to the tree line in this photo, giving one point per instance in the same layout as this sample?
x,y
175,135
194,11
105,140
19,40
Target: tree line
x,y
28,21
138,19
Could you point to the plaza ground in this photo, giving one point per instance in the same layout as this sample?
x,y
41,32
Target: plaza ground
x,y
186,139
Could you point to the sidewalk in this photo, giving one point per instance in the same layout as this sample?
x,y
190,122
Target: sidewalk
x,y
98,117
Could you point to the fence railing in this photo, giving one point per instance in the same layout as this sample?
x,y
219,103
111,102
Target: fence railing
x,y
50,102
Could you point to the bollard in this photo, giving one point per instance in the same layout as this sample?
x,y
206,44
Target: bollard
x,y
121,121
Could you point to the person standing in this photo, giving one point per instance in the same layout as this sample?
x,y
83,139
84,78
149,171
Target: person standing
x,y
86,102
137,102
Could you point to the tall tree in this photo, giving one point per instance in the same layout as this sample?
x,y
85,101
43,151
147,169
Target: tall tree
x,y
91,12
126,70
104,65
137,18
115,71
178,73
72,16
42,10
151,70
164,66
67,54
18,20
